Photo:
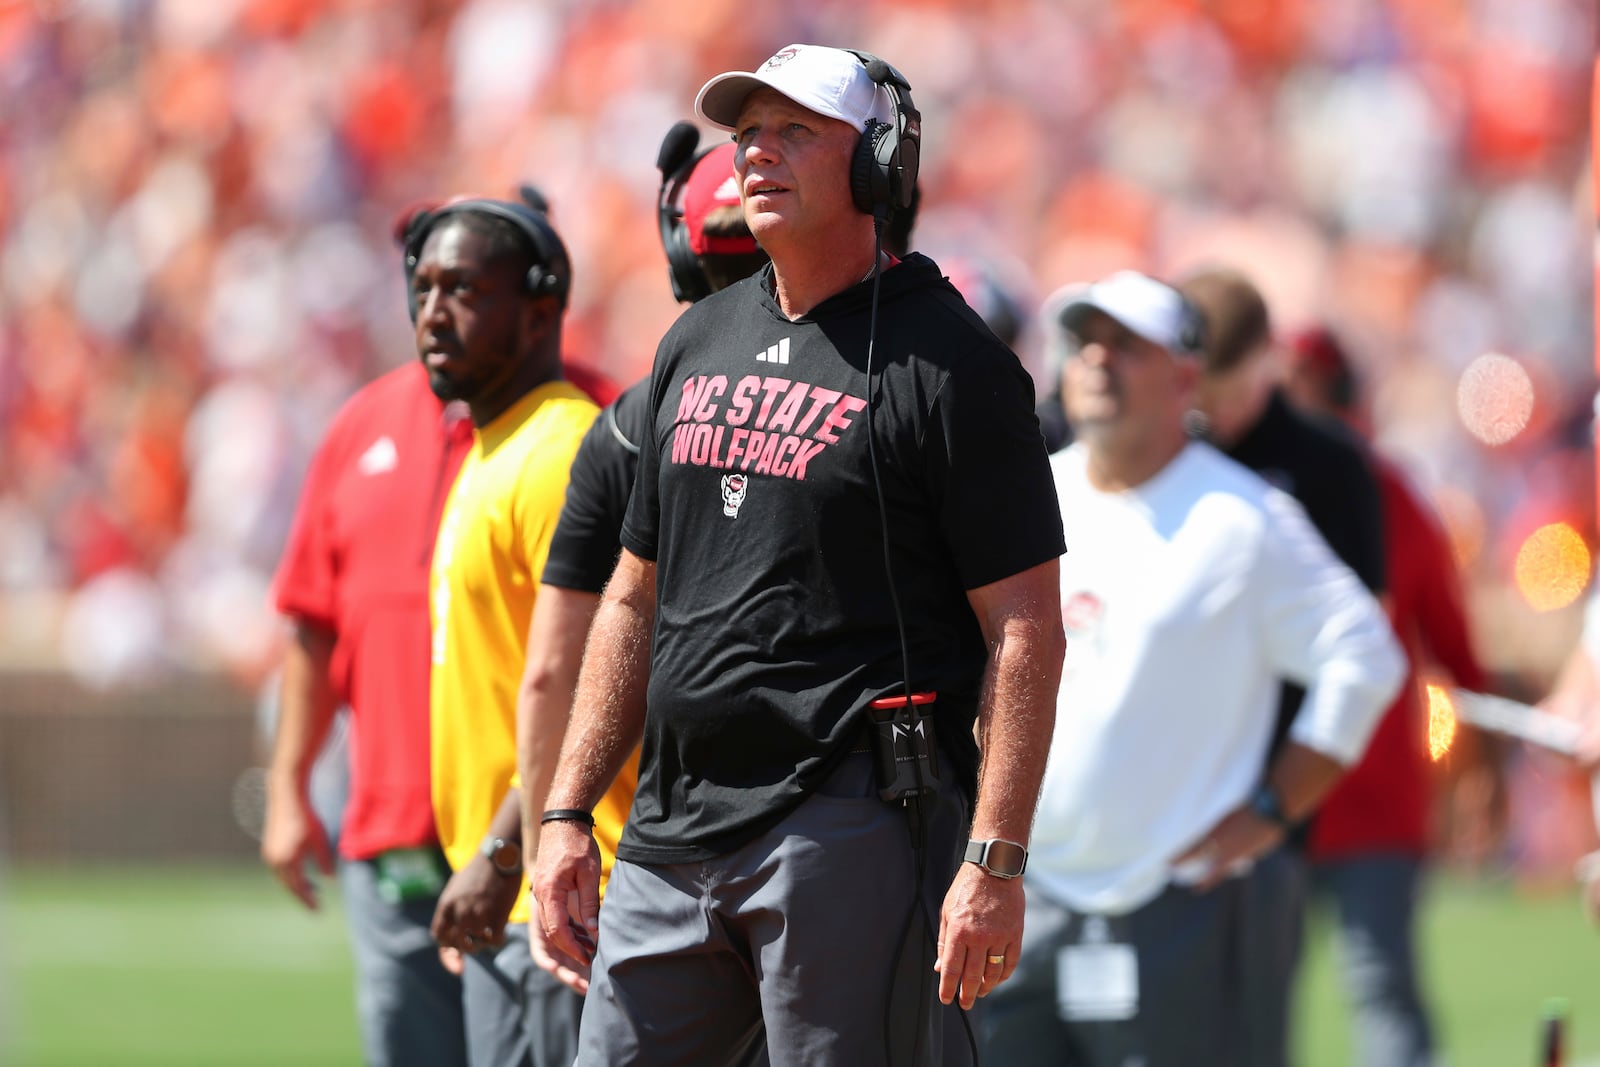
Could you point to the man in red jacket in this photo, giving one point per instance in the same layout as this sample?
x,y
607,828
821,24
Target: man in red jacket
x,y
353,583
1371,836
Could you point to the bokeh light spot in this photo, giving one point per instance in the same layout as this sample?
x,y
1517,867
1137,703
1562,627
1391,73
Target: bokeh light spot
x,y
1441,722
1495,398
1552,567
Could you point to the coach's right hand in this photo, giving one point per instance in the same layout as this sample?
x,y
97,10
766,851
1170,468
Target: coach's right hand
x,y
566,889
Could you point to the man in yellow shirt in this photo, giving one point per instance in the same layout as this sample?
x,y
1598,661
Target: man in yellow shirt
x,y
490,284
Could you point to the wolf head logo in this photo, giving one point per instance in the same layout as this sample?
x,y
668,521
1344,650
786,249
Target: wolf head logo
x,y
734,487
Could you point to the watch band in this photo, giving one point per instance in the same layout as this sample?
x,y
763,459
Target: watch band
x,y
998,857
1266,803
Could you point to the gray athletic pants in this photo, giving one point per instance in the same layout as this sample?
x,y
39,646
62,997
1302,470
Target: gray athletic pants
x,y
792,938
1213,981
408,1005
517,1014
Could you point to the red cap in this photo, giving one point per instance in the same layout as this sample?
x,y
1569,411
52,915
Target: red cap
x,y
711,185
1316,347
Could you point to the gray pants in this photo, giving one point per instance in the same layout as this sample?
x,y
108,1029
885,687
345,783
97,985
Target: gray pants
x,y
1276,890
517,1014
794,939
1203,962
1376,898
408,1005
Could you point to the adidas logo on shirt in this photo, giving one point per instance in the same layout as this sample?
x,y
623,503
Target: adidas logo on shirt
x,y
778,353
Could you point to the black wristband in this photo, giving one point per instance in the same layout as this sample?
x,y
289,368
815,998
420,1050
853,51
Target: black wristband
x,y
568,815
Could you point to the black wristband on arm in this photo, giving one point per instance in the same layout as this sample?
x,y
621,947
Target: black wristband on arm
x,y
568,815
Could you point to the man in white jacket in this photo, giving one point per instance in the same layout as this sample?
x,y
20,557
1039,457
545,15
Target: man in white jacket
x,y
1190,587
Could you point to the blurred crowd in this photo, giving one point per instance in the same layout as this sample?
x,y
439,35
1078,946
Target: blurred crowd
x,y
197,264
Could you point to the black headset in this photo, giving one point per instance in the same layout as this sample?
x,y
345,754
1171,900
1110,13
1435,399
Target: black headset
x,y
551,273
883,174
677,160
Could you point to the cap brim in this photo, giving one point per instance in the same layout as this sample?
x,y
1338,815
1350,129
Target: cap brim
x,y
1074,313
721,98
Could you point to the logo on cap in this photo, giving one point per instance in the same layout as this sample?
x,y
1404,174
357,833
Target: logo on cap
x,y
780,58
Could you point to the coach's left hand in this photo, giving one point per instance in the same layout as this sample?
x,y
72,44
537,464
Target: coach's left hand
x,y
981,921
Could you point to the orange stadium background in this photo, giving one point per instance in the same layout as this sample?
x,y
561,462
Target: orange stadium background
x,y
197,268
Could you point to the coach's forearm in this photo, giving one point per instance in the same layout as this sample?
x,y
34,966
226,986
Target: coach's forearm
x,y
556,635
608,708
1302,777
1015,725
1016,715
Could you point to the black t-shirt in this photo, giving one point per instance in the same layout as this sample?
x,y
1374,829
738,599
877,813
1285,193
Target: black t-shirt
x,y
583,549
1326,470
755,497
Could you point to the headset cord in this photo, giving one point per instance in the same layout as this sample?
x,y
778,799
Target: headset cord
x,y
872,454
916,824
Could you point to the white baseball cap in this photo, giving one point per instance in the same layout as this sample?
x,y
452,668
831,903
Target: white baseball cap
x,y
829,81
1153,310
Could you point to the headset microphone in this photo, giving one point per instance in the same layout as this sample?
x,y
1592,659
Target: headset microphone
x,y
677,147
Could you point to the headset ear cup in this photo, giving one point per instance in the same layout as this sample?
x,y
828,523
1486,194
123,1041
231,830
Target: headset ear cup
x,y
691,276
869,180
906,161
541,281
688,279
886,157
408,263
416,232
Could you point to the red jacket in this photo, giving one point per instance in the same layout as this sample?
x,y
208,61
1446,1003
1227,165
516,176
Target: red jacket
x,y
357,562
1383,803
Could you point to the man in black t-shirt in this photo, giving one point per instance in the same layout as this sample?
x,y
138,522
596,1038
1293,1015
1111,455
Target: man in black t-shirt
x,y
1246,414
843,499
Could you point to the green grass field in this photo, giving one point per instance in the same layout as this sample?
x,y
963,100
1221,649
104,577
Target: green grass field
x,y
218,967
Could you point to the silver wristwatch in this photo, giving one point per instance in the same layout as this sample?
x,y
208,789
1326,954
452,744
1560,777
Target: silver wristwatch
x,y
999,857
505,856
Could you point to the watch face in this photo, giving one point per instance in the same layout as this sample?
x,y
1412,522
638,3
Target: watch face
x,y
1265,804
1006,858
507,858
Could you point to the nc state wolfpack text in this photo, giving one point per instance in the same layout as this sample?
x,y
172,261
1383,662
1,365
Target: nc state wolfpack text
x,y
764,425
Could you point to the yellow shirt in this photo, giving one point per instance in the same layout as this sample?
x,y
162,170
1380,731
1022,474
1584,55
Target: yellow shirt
x,y
491,548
